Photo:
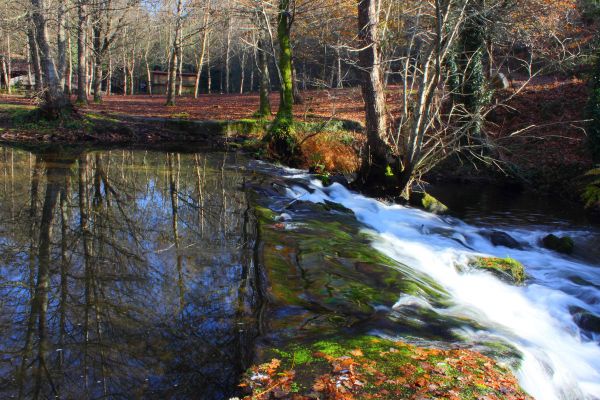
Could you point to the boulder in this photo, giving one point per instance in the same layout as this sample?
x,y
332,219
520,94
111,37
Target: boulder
x,y
507,269
339,178
427,202
562,244
499,238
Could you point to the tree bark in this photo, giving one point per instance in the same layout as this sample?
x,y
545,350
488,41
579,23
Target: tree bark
x,y
35,59
171,87
297,96
227,55
375,155
148,74
55,102
179,67
81,53
285,60
69,72
202,49
208,72
264,108
242,71
61,43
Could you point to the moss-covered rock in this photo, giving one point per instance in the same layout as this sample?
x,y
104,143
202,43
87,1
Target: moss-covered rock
x,y
321,262
562,244
364,367
427,202
506,269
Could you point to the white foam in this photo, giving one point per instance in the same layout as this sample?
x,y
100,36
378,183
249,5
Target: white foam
x,y
557,363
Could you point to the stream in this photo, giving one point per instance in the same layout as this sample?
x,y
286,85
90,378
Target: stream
x,y
147,274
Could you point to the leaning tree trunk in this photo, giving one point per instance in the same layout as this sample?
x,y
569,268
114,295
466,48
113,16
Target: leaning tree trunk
x,y
375,154
202,49
55,102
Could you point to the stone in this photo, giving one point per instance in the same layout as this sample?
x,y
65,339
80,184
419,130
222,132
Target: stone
x,y
562,244
499,238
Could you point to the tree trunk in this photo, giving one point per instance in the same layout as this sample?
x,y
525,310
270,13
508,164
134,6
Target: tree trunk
x,y
148,74
285,61
61,44
208,72
200,64
55,102
472,45
81,53
124,77
174,57
242,71
375,155
29,76
297,96
8,61
227,55
132,73
69,73
264,108
98,59
281,138
202,49
180,67
5,76
109,75
35,59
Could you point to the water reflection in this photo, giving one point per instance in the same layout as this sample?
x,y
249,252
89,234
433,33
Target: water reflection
x,y
124,274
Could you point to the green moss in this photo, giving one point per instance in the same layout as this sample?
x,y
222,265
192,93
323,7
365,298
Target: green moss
x,y
563,244
325,264
181,115
505,268
432,204
385,368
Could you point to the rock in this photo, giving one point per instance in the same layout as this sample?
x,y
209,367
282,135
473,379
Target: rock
x,y
283,217
586,320
339,178
427,202
500,81
507,269
332,206
563,244
499,238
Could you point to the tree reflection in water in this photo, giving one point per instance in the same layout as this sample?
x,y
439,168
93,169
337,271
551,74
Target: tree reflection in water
x,y
124,274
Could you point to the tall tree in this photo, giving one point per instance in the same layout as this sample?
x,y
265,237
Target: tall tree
x,y
175,54
375,155
54,101
82,19
281,138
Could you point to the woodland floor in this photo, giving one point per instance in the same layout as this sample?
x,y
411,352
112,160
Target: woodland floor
x,y
541,129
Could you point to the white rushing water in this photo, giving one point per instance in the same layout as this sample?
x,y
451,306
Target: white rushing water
x,y
535,318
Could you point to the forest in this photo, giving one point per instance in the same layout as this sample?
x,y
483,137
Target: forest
x,y
300,199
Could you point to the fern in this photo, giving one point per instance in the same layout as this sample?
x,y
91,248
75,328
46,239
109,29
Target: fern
x,y
591,192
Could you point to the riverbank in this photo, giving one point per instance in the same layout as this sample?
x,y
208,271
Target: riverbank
x,y
539,134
